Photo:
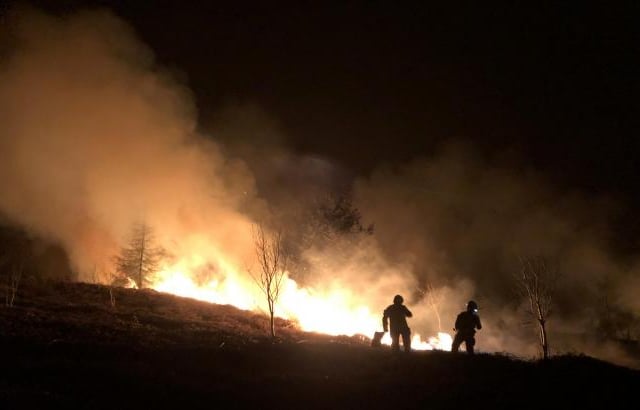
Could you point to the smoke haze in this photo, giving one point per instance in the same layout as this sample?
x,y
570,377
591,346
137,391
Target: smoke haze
x,y
456,217
95,137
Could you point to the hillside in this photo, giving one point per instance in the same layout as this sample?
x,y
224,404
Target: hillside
x,y
65,346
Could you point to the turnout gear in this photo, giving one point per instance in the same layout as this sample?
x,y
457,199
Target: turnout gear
x,y
466,324
396,316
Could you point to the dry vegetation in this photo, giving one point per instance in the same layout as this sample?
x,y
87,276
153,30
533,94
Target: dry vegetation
x,y
84,313
65,346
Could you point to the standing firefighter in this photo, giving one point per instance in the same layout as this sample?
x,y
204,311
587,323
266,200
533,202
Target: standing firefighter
x,y
397,314
466,324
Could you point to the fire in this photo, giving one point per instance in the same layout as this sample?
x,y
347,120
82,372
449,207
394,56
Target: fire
x,y
179,283
131,284
442,341
331,312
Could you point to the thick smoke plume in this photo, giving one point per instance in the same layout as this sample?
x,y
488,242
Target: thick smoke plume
x,y
95,137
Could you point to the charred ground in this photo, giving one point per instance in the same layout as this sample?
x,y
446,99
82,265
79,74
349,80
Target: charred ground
x,y
65,345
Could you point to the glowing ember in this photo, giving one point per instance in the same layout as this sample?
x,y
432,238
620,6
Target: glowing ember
x,y
330,312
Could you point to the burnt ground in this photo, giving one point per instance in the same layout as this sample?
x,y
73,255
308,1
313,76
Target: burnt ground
x,y
64,345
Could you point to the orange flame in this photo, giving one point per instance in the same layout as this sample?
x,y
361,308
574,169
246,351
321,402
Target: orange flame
x,y
331,312
131,284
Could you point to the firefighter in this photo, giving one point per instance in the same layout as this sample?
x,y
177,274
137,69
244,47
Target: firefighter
x,y
466,324
396,316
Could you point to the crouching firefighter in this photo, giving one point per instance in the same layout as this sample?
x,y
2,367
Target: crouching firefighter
x,y
396,315
466,324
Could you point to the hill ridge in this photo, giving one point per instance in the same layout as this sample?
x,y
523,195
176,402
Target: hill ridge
x,y
70,347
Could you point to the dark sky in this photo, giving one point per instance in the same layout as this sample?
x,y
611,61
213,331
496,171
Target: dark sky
x,y
370,82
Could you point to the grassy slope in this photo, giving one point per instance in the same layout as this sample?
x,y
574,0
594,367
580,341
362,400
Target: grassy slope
x,y
64,345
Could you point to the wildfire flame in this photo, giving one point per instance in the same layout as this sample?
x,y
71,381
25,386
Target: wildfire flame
x,y
331,312
131,284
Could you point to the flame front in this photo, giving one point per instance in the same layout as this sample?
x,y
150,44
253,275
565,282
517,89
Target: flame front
x,y
331,312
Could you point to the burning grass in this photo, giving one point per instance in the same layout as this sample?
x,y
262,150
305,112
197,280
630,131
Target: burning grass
x,y
66,346
78,312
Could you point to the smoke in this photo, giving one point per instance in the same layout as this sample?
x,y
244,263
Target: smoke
x,y
95,137
458,218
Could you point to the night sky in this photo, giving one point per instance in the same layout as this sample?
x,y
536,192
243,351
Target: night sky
x,y
366,83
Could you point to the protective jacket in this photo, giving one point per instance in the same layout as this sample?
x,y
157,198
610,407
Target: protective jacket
x,y
467,323
397,314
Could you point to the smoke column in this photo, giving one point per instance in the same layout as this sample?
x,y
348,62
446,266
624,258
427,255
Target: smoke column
x,y
95,136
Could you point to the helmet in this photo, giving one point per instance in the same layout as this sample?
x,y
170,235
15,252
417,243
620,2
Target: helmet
x,y
398,300
472,306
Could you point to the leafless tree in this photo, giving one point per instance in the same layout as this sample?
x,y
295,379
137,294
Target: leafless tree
x,y
15,274
14,254
141,258
273,261
536,283
12,268
111,283
433,297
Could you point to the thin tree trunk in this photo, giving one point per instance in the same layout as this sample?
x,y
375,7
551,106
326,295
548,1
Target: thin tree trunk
x,y
543,332
273,328
140,261
543,340
14,283
271,312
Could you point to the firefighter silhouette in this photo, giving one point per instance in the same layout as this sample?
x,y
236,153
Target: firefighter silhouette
x,y
466,324
395,319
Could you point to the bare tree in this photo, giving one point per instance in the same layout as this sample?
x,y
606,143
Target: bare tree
x,y
141,258
273,261
433,297
15,251
13,282
12,269
111,283
536,282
